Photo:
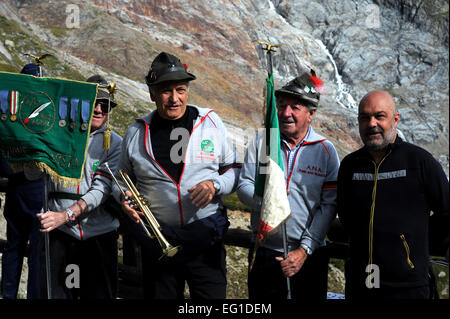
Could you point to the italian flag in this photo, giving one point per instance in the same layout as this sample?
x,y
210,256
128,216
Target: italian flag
x,y
270,183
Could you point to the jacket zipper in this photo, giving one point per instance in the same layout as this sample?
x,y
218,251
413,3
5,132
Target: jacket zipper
x,y
405,244
147,134
372,208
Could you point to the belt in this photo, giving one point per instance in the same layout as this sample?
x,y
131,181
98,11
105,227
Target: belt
x,y
64,195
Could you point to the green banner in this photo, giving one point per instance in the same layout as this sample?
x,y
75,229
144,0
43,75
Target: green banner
x,y
45,122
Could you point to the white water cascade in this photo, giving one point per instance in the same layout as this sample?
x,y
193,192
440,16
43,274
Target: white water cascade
x,y
343,96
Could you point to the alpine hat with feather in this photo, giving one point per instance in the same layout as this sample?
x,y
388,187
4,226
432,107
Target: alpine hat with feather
x,y
167,67
306,87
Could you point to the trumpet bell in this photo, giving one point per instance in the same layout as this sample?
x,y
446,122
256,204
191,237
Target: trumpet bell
x,y
170,251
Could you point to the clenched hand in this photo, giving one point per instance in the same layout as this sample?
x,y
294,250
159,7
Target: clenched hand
x,y
293,263
202,193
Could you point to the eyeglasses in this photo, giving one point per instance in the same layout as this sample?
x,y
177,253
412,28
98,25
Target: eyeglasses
x,y
104,105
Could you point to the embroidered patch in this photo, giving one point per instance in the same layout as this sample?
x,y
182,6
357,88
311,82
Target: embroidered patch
x,y
207,146
94,166
313,170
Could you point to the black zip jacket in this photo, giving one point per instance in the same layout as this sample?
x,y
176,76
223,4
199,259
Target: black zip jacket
x,y
385,210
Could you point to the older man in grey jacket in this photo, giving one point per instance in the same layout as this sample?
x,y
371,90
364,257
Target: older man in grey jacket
x,y
181,160
83,234
311,167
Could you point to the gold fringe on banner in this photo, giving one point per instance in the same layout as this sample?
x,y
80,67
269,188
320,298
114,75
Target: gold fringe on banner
x,y
54,177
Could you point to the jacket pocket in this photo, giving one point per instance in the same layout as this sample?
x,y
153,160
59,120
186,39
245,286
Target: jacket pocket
x,y
406,246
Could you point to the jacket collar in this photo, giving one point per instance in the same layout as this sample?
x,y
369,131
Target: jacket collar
x,y
148,118
100,130
364,152
311,138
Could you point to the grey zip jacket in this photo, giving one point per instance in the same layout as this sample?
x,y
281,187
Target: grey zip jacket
x,y
208,155
312,185
94,189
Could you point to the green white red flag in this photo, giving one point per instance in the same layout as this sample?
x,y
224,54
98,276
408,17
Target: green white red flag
x,y
270,183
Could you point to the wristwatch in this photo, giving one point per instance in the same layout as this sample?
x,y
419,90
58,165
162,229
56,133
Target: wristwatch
x,y
307,249
216,185
71,215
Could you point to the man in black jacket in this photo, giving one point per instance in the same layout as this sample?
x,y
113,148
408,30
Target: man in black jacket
x,y
386,191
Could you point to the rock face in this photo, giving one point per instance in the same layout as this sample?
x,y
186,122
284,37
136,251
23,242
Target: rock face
x,y
354,45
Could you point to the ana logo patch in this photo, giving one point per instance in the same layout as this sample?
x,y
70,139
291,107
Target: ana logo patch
x,y
313,170
207,146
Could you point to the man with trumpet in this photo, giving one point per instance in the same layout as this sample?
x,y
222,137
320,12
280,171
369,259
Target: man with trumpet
x,y
82,233
180,159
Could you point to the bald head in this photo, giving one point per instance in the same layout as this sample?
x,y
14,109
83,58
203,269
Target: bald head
x,y
380,98
377,119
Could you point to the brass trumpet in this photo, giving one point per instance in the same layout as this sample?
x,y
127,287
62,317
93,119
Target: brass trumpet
x,y
139,201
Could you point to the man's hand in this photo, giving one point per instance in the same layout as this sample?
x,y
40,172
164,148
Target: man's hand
x,y
130,211
202,193
52,220
293,263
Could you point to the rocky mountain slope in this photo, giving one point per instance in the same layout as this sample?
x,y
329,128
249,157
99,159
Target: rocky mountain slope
x,y
354,45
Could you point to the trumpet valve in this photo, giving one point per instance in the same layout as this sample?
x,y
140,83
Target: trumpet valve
x,y
143,200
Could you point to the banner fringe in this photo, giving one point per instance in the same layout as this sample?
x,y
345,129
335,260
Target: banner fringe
x,y
54,177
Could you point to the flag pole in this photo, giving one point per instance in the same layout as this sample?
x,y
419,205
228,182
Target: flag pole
x,y
45,207
285,248
270,48
46,239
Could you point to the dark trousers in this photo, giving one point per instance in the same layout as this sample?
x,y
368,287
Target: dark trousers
x,y
23,202
266,280
81,269
389,293
204,273
355,288
21,229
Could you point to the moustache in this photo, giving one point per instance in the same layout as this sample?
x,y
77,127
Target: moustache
x,y
374,131
287,120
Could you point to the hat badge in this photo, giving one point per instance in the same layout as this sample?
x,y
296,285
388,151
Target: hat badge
x,y
153,75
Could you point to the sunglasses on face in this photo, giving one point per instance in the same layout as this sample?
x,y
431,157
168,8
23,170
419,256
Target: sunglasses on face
x,y
103,105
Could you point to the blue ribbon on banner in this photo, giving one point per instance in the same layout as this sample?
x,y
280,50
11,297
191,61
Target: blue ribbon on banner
x,y
63,107
4,100
85,107
74,109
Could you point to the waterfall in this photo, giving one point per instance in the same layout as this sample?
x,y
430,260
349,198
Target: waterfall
x,y
343,96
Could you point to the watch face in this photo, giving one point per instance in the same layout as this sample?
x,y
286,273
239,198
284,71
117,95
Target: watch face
x,y
307,249
70,214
